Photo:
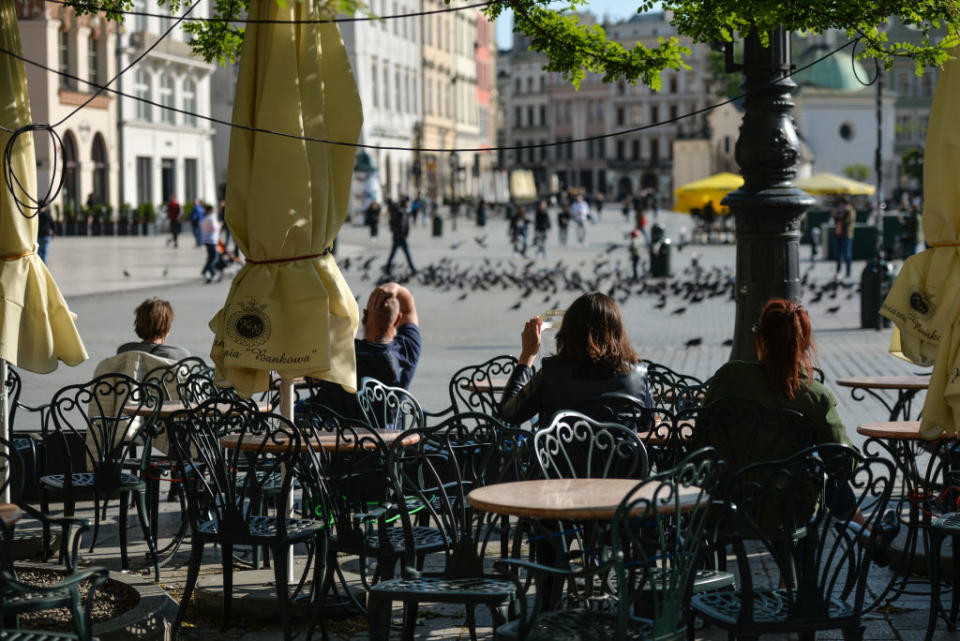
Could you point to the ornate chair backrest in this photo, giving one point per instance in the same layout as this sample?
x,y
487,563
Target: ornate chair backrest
x,y
691,397
200,388
110,416
169,377
576,446
656,534
12,387
226,484
666,384
472,387
776,499
388,408
354,467
744,432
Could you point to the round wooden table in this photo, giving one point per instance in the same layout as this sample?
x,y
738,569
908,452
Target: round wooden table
x,y
901,430
10,513
326,442
169,407
906,388
570,499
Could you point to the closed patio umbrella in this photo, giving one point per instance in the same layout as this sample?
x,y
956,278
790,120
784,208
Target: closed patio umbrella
x,y
37,329
697,194
289,309
924,301
824,184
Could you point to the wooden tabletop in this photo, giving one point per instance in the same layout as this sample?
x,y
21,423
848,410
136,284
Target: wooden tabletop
x,y
567,499
483,386
326,442
903,430
10,513
887,382
169,407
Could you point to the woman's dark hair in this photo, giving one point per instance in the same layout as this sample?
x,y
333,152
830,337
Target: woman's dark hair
x,y
153,318
593,340
784,343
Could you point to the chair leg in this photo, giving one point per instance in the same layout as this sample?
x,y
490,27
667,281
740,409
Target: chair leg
x,y
124,513
283,589
378,617
96,518
226,563
410,609
193,572
153,501
955,596
854,633
471,621
45,508
149,530
933,557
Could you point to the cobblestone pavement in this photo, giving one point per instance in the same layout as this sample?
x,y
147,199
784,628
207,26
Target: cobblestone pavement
x,y
92,273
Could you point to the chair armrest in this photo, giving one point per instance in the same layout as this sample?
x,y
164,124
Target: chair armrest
x,y
65,522
451,410
99,575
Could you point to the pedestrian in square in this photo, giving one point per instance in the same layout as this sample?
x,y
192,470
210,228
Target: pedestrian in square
x,y
173,217
844,223
196,217
400,229
518,231
210,235
45,232
541,225
635,249
580,213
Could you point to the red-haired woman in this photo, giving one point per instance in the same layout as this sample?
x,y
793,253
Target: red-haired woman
x,y
783,377
594,356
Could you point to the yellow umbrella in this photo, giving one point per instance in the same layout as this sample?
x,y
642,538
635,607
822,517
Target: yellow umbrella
x,y
824,184
37,329
289,309
697,194
924,301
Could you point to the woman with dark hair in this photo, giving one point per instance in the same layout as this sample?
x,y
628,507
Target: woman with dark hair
x,y
594,356
783,376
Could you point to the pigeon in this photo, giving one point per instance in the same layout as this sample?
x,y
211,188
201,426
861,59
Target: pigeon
x,y
481,240
462,296
166,270
126,273
693,342
728,342
517,305
678,311
833,310
456,245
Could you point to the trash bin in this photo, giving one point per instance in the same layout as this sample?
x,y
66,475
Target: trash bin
x,y
437,226
875,283
660,257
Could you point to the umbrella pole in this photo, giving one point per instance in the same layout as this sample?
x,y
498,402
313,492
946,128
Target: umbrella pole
x,y
5,426
286,410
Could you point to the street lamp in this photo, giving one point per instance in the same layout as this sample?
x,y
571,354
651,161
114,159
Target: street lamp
x,y
454,170
768,207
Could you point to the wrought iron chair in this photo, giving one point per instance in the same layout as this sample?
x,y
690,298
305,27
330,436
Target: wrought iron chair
x,y
388,408
434,476
225,491
110,416
17,598
576,446
666,384
823,574
474,388
655,537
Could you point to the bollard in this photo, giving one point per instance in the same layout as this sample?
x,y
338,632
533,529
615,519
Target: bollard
x,y
657,233
660,258
437,226
875,283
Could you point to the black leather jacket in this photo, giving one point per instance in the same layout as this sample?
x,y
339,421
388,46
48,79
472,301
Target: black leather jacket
x,y
554,387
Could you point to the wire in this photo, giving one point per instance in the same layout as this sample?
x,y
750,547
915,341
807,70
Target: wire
x,y
164,16
554,143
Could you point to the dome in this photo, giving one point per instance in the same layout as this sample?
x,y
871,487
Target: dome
x,y
838,72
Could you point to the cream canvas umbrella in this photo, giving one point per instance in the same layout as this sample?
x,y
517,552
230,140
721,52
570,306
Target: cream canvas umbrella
x,y
924,301
289,309
825,184
37,329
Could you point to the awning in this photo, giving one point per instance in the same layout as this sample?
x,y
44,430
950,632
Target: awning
x,y
289,309
697,194
824,184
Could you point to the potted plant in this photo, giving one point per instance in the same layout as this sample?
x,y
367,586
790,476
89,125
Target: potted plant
x,y
123,221
148,216
71,227
109,228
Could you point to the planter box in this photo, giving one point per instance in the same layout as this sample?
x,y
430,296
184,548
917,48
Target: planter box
x,y
109,228
96,228
70,228
148,229
123,228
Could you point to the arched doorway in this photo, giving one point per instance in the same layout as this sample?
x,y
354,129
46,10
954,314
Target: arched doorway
x,y
71,174
624,187
648,181
98,154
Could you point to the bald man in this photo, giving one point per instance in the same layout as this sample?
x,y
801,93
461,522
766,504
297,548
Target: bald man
x,y
391,345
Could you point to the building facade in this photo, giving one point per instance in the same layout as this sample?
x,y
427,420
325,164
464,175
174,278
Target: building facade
x,y
81,46
164,152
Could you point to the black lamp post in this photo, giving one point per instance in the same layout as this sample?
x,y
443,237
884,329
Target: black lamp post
x,y
768,207
454,170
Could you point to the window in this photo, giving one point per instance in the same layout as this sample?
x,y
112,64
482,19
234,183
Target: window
x,y
386,86
530,119
396,22
144,180
567,111
654,150
673,112
543,151
140,22
673,84
167,99
530,152
93,61
517,117
141,88
190,103
543,115
398,94
601,148
620,115
599,111
189,179
589,112
428,99
449,100
98,154
635,149
64,61
543,82
846,131
654,114
529,85
375,87
411,93
519,86
619,150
